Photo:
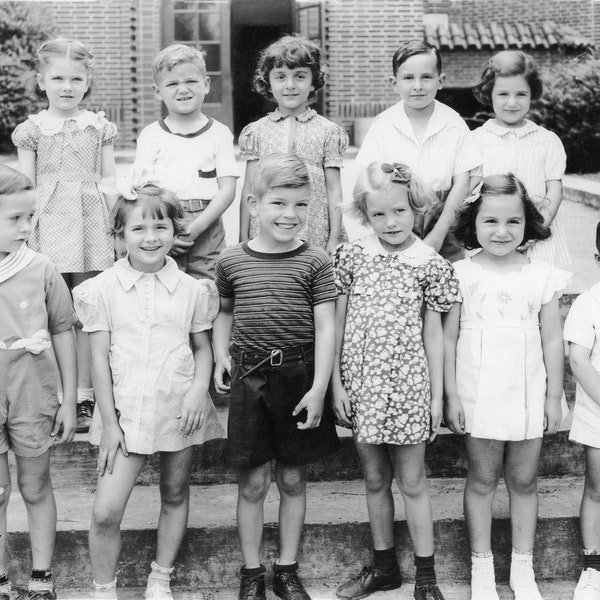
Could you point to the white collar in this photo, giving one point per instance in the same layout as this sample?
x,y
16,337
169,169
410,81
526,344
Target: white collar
x,y
493,127
51,125
128,276
418,251
15,261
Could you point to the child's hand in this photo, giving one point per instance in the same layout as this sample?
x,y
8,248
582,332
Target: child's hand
x,y
112,439
312,402
331,246
65,423
181,244
552,415
342,407
222,376
436,417
193,411
455,416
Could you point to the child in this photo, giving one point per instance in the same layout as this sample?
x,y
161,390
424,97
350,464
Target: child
x,y
510,143
581,331
151,363
503,371
290,71
277,296
387,378
191,155
36,325
429,137
68,155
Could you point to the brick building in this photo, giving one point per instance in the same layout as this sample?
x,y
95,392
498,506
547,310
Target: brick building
x,y
359,38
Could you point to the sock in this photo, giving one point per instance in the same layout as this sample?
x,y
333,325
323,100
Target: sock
x,y
41,581
481,555
385,561
84,394
291,568
591,559
252,572
160,575
105,591
425,569
525,557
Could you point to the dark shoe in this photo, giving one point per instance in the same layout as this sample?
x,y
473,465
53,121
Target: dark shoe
x,y
428,591
41,595
252,587
84,415
369,580
288,586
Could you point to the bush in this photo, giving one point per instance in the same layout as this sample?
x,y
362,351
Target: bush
x,y
570,106
22,30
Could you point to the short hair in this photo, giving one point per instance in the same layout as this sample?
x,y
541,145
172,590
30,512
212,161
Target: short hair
x,y
412,48
279,170
499,185
293,52
379,177
177,54
156,202
66,48
507,64
13,182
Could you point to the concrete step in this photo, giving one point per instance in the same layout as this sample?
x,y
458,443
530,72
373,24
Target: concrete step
x,y
336,538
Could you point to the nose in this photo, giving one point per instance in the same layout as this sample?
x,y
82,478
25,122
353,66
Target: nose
x,y
289,82
289,212
391,221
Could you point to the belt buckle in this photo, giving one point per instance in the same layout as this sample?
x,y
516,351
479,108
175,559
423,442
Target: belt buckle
x,y
276,358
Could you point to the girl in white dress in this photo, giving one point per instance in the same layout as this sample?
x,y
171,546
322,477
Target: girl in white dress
x,y
503,371
149,328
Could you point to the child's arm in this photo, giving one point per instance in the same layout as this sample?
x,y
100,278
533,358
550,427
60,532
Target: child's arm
x,y
457,194
584,371
453,410
341,402
246,191
333,184
27,163
112,434
324,316
433,340
554,196
108,172
554,354
66,417
196,399
222,327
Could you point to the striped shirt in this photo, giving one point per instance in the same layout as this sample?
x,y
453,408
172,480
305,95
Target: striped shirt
x,y
274,294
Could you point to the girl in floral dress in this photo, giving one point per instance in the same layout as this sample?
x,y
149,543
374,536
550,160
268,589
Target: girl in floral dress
x,y
290,72
68,155
387,380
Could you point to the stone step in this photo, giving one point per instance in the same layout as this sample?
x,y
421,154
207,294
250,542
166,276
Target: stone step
x,y
336,538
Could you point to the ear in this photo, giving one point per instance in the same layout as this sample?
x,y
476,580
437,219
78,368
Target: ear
x,y
393,81
252,201
597,259
40,81
442,80
207,84
156,91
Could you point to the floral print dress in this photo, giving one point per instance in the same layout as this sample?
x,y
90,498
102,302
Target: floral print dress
x,y
384,367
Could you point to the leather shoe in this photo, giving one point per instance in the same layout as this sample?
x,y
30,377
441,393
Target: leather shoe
x,y
369,580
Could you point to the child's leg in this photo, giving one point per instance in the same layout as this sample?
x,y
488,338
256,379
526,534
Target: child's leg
x,y
4,497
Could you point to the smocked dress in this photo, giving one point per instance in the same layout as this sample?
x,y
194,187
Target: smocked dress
x,y
384,367
500,372
316,140
150,317
71,221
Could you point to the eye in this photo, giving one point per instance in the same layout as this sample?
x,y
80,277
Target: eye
x,y
302,204
407,77
192,81
400,210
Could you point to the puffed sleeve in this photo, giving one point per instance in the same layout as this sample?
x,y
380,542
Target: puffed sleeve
x,y
109,134
90,306
26,135
248,142
579,324
342,268
142,169
468,156
207,305
336,143
59,306
372,146
441,289
556,158
556,280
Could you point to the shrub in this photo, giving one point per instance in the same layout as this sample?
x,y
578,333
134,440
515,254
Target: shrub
x,y
22,30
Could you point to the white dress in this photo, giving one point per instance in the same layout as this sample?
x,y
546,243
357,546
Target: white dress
x,y
500,372
150,317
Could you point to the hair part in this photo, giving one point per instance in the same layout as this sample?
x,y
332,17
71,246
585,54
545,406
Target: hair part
x,y
293,52
177,54
156,203
508,63
70,49
279,170
13,182
412,48
375,178
500,185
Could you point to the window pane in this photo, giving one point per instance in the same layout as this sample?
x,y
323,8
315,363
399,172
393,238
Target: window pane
x,y
212,56
197,4
184,27
215,88
209,26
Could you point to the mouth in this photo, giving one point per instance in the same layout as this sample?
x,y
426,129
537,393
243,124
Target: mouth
x,y
286,225
150,248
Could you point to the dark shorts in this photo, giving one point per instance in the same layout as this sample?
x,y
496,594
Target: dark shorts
x,y
261,425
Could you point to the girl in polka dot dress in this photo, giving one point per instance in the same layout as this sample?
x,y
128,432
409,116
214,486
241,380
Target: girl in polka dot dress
x,y
68,155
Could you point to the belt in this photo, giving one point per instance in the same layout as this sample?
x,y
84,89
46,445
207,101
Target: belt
x,y
194,204
273,358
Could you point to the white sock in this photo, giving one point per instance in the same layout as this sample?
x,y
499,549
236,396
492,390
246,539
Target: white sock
x,y
106,591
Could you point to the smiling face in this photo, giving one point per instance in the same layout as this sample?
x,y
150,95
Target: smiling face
x,y
182,89
391,217
65,83
291,88
511,99
148,240
16,212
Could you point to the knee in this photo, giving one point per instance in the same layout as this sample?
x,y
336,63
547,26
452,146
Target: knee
x,y
291,483
522,484
414,486
591,490
106,516
481,485
254,490
35,490
4,494
377,481
174,495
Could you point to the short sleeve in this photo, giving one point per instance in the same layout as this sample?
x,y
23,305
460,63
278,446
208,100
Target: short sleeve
x,y
441,289
323,288
26,135
207,305
371,149
556,280
225,155
468,157
556,158
109,134
336,143
579,324
142,169
343,268
90,307
224,286
248,142
59,306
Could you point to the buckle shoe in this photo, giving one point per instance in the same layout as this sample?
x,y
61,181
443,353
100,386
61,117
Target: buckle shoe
x,y
368,581
588,586
252,587
41,594
428,591
288,586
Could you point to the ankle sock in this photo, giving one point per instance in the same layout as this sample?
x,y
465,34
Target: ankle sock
x,y
425,569
385,561
525,557
591,559
252,572
482,555
291,568
160,575
41,581
84,394
106,591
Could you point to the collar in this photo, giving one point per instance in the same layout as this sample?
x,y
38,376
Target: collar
x,y
416,251
15,262
50,125
528,128
304,116
205,127
128,276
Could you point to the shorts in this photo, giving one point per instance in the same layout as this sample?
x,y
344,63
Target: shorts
x,y
28,401
261,426
201,259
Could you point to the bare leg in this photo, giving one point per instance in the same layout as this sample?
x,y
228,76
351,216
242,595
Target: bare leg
x,y
589,516
291,482
4,497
